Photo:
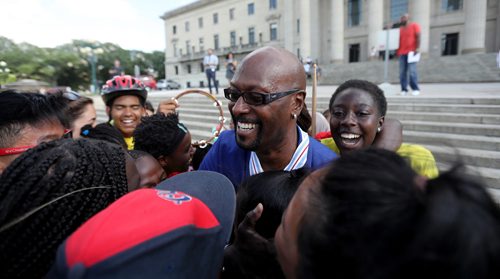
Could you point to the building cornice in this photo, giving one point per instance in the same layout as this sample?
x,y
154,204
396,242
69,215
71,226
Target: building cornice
x,y
187,8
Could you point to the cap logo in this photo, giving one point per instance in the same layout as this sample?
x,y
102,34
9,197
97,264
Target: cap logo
x,y
173,196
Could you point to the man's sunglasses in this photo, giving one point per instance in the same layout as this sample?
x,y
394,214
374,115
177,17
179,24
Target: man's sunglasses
x,y
257,98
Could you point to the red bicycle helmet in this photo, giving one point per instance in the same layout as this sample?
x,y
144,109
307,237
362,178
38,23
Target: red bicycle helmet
x,y
121,86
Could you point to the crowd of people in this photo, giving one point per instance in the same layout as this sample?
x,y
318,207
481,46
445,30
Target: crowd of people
x,y
126,199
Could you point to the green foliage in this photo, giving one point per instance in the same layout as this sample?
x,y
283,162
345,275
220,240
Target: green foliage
x,y
70,64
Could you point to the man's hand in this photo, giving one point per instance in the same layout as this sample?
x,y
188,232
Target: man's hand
x,y
168,106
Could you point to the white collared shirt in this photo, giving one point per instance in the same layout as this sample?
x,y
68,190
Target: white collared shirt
x,y
298,160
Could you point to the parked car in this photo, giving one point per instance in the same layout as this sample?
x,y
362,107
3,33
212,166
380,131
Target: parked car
x,y
149,82
167,84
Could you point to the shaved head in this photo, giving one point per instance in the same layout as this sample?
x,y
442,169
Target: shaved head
x,y
273,68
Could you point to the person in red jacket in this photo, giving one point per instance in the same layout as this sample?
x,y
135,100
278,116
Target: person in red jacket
x,y
409,41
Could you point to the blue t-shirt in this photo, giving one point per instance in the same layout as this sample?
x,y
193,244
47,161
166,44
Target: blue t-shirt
x,y
227,158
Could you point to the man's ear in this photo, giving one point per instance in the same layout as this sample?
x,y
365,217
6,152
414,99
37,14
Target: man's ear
x,y
297,103
108,111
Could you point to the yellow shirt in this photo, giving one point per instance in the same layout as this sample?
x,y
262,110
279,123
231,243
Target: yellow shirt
x,y
420,158
129,142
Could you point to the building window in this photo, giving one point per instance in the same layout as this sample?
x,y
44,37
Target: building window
x,y
186,26
354,12
451,5
398,8
273,31
200,22
189,68
216,41
188,47
200,43
251,8
273,4
241,40
231,14
298,25
202,69
232,35
449,44
174,29
176,70
216,18
251,35
354,53
175,50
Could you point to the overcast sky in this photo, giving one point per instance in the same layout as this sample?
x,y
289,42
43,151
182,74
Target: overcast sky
x,y
131,24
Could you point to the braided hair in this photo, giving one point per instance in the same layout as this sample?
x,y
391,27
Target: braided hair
x,y
42,175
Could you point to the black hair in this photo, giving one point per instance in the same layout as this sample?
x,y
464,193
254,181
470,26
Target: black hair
x,y
157,134
304,119
41,175
370,218
136,154
20,110
149,106
274,189
369,87
104,131
199,154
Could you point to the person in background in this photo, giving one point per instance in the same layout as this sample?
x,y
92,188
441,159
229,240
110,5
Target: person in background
x,y
26,120
125,97
409,41
49,191
369,215
231,64
210,62
167,140
81,112
116,70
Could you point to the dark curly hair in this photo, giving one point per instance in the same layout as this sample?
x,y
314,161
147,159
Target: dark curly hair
x,y
93,173
157,134
371,88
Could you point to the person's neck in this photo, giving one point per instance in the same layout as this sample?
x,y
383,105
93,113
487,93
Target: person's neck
x,y
278,156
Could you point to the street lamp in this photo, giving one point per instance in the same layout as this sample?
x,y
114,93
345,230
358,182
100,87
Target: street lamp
x,y
91,53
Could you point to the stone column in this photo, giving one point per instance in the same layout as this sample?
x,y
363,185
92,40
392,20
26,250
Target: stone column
x,y
375,24
337,15
420,12
289,24
305,28
475,26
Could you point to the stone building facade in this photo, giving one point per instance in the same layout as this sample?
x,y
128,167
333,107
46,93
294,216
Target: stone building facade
x,y
331,32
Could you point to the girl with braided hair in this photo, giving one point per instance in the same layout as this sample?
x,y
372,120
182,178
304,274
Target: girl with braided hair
x,y
49,191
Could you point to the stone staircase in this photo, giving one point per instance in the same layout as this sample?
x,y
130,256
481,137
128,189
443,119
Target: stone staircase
x,y
464,128
461,68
